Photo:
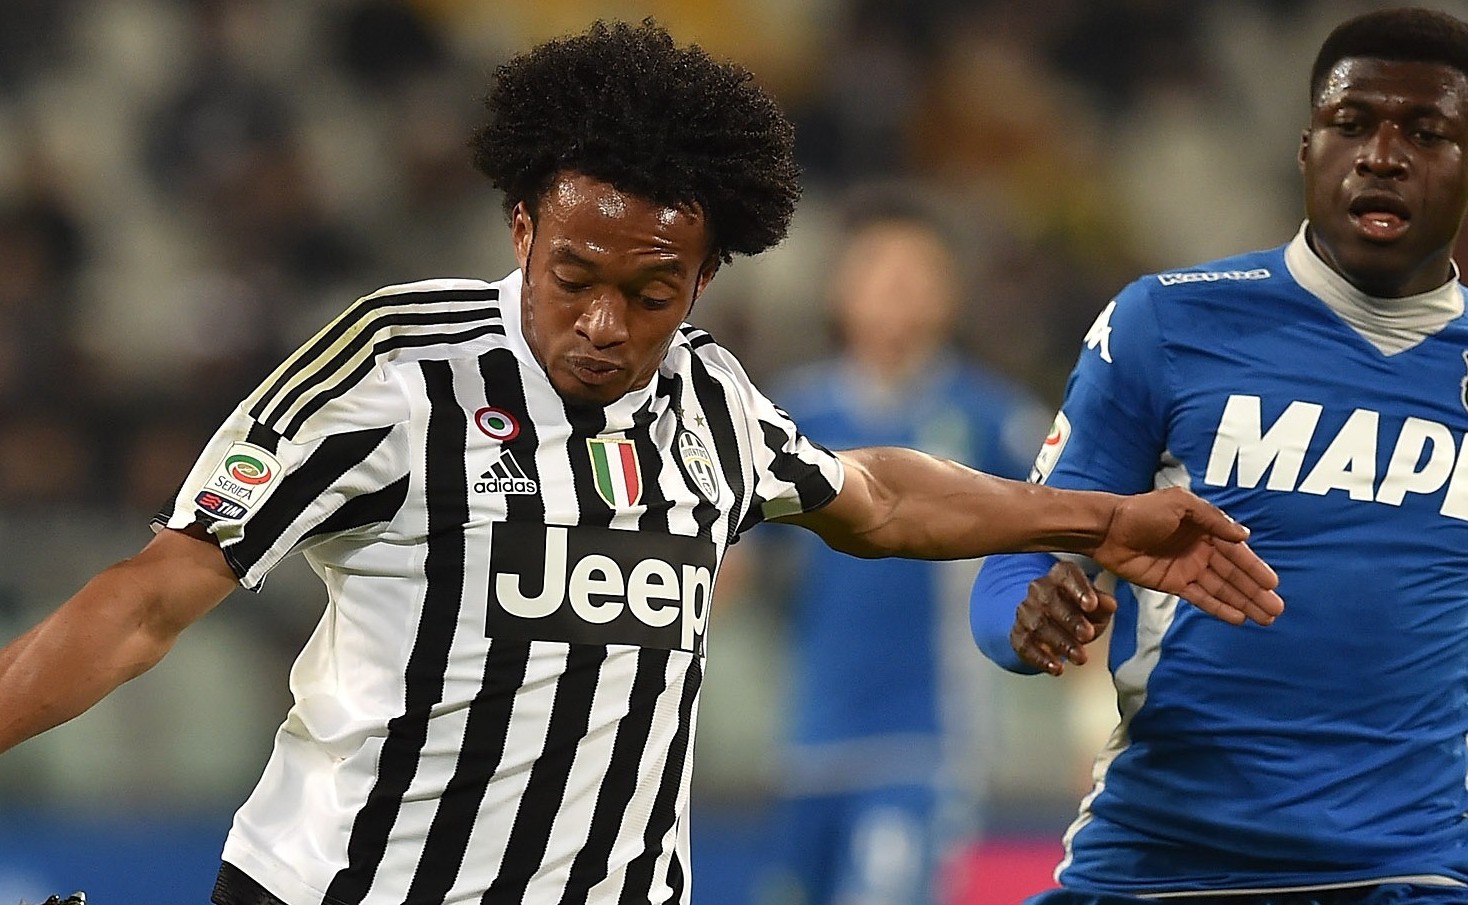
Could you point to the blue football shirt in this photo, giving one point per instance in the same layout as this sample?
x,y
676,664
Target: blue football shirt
x,y
1328,748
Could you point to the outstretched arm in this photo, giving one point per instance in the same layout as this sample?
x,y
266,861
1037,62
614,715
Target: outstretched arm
x,y
900,502
115,628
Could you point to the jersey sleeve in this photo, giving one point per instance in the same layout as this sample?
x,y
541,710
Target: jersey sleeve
x,y
1110,435
263,494
1111,430
788,472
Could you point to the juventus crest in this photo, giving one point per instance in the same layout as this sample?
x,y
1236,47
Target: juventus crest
x,y
698,465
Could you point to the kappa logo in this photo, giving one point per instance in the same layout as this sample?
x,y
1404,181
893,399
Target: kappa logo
x,y
1212,276
507,477
699,465
1099,336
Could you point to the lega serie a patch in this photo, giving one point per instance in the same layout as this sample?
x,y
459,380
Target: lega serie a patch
x,y
1051,449
240,482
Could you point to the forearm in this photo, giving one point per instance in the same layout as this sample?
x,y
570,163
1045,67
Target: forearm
x,y
103,636
945,510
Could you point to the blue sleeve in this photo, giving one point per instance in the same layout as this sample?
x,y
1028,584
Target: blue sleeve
x,y
1001,584
1112,427
1109,435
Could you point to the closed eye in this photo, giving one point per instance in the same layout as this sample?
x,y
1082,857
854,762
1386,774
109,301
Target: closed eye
x,y
569,285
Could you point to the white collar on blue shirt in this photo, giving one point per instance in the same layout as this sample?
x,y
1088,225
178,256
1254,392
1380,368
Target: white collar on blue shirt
x,y
1392,325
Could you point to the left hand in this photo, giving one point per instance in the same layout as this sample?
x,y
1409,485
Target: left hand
x,y
1062,612
1175,542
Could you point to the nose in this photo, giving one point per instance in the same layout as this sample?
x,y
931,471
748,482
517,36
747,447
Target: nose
x,y
604,322
1383,153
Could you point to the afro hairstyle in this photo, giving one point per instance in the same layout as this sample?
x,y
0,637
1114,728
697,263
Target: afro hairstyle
x,y
625,105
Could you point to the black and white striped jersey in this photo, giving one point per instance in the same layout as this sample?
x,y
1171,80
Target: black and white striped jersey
x,y
498,704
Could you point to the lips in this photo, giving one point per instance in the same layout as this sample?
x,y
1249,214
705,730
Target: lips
x,y
593,370
1380,216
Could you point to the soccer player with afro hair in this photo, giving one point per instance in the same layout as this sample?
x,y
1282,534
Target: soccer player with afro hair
x,y
518,494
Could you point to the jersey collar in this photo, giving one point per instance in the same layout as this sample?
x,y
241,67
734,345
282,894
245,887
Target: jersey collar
x,y
1392,325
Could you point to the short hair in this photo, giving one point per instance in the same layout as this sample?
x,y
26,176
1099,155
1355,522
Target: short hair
x,y
623,104
879,204
1410,34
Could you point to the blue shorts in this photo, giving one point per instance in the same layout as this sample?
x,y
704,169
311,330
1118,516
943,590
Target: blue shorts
x,y
1384,894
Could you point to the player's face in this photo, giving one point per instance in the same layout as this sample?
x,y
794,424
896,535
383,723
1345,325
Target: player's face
x,y
1386,176
608,279
894,290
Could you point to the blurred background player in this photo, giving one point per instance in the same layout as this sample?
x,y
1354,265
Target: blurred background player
x,y
877,777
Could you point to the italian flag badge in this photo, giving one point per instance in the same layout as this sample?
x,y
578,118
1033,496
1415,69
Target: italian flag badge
x,y
614,463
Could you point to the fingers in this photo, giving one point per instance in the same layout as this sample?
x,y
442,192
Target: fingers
x,y
1255,572
1219,605
1069,600
1061,613
1212,519
1236,585
1231,590
1040,643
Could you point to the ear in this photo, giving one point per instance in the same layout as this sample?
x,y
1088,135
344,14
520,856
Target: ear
x,y
522,231
705,275
1304,146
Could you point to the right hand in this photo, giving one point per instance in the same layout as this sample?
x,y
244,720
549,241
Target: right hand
x,y
1061,613
1175,542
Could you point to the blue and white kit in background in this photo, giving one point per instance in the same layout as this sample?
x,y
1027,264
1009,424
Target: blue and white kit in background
x,y
877,773
1327,749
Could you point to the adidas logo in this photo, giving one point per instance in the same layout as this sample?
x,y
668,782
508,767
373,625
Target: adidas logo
x,y
507,477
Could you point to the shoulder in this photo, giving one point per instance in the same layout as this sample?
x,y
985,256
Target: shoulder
x,y
1212,280
352,356
1189,298
430,296
695,349
420,319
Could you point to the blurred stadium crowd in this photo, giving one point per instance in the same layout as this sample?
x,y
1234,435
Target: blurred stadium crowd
x,y
189,188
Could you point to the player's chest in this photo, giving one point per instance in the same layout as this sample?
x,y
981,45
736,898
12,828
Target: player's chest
x,y
661,474
575,534
1329,418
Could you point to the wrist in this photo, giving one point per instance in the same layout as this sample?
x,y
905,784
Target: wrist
x,y
1083,520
